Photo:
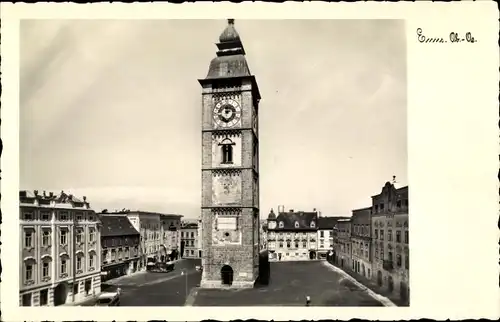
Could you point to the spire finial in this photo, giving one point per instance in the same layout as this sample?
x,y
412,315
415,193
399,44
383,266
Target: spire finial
x,y
230,21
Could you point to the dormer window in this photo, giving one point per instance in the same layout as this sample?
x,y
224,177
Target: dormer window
x,y
227,151
296,224
281,224
313,224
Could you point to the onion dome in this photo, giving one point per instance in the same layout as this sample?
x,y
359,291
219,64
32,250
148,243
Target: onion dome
x,y
229,34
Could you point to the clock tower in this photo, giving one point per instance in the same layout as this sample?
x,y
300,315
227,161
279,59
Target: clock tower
x,y
230,168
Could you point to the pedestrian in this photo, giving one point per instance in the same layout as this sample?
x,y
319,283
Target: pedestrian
x,y
308,300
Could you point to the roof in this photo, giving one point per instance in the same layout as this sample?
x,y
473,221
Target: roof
x,y
52,199
304,220
230,33
189,226
328,222
117,225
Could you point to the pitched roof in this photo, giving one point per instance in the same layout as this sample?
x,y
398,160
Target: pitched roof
x,y
328,222
304,220
117,226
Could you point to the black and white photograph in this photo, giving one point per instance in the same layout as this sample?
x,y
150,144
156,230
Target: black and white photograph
x,y
227,162
303,163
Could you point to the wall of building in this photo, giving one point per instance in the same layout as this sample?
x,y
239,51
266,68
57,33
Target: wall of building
x,y
120,255
292,245
49,268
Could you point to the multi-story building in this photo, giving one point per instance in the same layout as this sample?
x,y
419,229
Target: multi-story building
x,y
342,242
199,238
171,236
361,241
292,235
325,235
189,240
263,235
148,224
389,224
60,249
120,246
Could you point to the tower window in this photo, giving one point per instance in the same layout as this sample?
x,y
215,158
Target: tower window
x,y
227,151
281,224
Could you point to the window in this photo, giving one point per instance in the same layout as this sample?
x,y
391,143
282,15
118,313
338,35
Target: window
x,y
192,234
381,206
79,216
28,216
390,257
27,299
281,245
398,260
63,216
406,237
28,273
389,235
296,244
44,297
381,235
79,236
321,234
28,239
63,266
46,238
296,224
281,225
407,262
227,150
91,218
288,244
304,244
376,253
63,237
398,236
79,263
376,233
45,269
382,254
398,204
45,215
313,224
91,234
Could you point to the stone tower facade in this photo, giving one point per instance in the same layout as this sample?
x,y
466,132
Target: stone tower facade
x,y
230,168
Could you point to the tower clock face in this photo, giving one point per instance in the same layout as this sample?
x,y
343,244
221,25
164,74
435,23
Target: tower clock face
x,y
227,113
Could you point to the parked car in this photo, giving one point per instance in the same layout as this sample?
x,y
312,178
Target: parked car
x,y
109,299
161,267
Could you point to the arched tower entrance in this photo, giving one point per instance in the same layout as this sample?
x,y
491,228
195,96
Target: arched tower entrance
x,y
226,273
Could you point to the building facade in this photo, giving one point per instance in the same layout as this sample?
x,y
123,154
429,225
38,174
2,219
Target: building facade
x,y
292,235
189,241
171,237
390,239
361,241
230,168
120,247
148,224
60,249
263,235
342,241
325,238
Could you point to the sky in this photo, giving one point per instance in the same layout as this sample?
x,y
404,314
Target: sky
x,y
111,109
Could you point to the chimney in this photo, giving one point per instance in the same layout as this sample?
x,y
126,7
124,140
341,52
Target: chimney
x,y
51,194
84,198
314,209
291,210
36,193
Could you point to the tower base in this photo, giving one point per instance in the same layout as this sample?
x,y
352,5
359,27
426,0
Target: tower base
x,y
217,284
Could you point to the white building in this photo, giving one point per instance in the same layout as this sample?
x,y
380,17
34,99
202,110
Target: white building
x,y
60,249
